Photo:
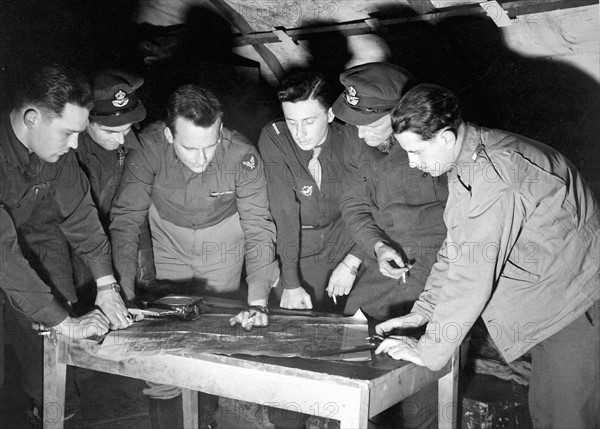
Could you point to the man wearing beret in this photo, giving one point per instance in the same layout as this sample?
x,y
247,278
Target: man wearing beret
x,y
37,166
108,138
394,212
203,188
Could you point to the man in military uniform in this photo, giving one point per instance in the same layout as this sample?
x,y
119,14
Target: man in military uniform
x,y
36,166
108,138
204,190
394,211
304,159
521,252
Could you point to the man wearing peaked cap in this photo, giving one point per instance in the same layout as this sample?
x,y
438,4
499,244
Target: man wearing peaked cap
x,y
393,211
372,91
108,138
115,100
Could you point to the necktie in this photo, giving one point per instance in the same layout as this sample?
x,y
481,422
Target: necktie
x,y
314,166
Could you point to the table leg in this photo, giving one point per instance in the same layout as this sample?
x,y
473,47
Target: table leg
x,y
55,378
190,408
448,396
354,412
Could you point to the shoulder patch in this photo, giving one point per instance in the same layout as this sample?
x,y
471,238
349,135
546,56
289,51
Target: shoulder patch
x,y
249,162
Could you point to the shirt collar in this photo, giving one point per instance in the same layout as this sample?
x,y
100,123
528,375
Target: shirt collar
x,y
21,152
470,144
326,146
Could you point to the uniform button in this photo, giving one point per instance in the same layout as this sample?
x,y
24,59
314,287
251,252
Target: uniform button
x,y
424,174
324,195
364,179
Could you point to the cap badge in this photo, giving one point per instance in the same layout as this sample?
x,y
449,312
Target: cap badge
x,y
307,190
248,162
120,99
351,97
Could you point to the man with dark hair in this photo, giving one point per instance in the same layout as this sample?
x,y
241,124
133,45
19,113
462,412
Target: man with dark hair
x,y
393,211
521,252
36,166
304,158
204,190
101,150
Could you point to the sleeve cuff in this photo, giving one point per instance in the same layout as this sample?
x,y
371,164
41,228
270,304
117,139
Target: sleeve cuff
x,y
51,315
289,278
261,281
105,280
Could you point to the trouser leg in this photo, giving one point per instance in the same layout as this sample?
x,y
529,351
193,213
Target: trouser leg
x,y
29,348
563,389
213,255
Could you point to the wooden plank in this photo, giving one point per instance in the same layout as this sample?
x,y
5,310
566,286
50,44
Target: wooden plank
x,y
355,411
394,387
448,395
239,22
83,354
352,28
298,390
190,408
55,377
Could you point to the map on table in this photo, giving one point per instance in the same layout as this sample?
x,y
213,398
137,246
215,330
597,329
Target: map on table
x,y
285,336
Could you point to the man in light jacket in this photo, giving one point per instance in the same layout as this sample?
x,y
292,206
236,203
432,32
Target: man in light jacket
x,y
521,252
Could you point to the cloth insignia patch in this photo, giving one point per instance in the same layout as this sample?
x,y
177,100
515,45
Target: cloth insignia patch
x,y
120,99
249,162
351,96
307,190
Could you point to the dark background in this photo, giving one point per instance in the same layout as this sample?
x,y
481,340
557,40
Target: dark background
x,y
546,100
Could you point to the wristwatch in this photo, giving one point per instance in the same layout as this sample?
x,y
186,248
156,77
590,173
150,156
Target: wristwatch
x,y
111,286
259,309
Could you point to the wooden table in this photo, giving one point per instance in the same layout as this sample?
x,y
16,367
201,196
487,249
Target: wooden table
x,y
351,392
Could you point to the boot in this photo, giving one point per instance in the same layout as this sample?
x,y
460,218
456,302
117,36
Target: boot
x,y
166,413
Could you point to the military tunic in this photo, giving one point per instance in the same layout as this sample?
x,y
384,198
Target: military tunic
x,y
26,182
155,181
311,235
104,169
386,199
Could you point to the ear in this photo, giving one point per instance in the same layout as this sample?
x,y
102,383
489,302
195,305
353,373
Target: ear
x,y
168,135
330,115
31,117
448,138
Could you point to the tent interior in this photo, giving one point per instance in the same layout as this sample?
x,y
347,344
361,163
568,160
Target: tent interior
x,y
529,67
